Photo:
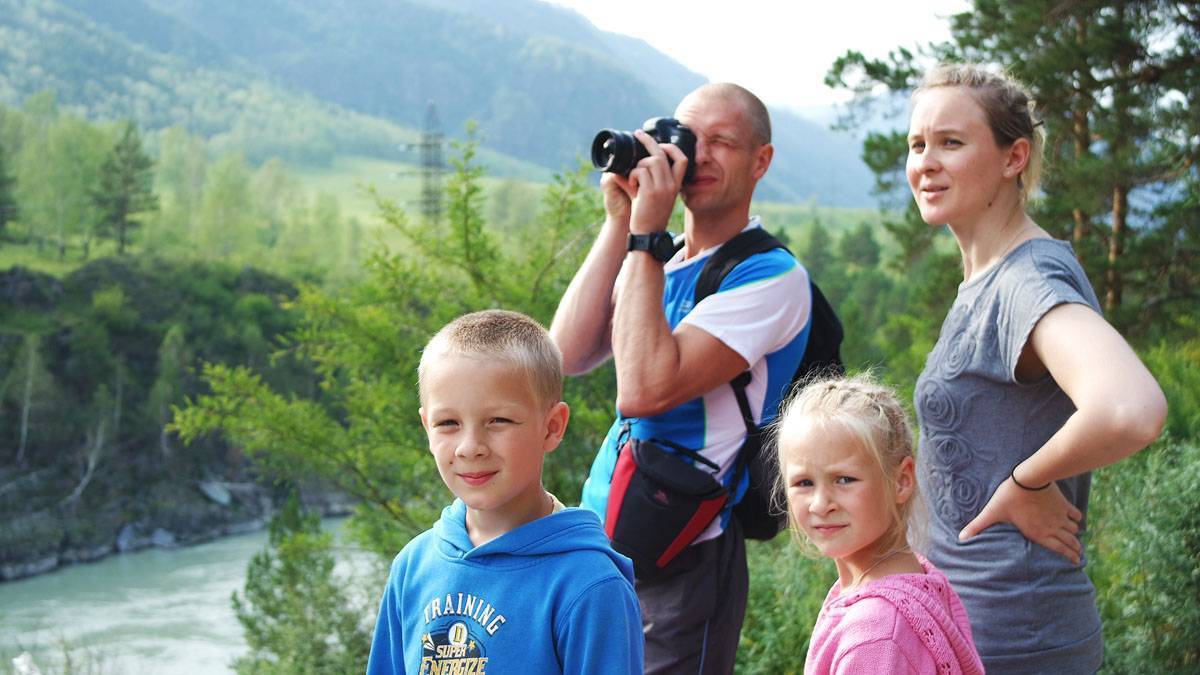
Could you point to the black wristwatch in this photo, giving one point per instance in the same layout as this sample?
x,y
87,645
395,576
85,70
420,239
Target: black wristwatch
x,y
660,245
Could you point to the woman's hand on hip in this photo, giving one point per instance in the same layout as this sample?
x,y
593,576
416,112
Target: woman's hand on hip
x,y
1044,516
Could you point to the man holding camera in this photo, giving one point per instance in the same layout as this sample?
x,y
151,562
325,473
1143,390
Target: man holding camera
x,y
633,299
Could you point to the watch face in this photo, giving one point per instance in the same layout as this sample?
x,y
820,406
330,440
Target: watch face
x,y
662,247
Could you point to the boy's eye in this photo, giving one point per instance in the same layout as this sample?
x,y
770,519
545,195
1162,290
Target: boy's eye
x,y
500,420
441,424
845,480
916,146
952,142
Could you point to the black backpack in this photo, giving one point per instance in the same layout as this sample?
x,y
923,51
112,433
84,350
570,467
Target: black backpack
x,y
758,510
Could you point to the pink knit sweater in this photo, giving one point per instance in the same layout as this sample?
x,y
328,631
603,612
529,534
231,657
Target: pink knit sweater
x,y
904,623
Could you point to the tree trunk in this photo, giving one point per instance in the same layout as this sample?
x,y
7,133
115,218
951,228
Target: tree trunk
x,y
1112,299
27,398
95,442
1081,131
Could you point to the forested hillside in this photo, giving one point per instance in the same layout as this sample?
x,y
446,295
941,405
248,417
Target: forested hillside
x,y
305,80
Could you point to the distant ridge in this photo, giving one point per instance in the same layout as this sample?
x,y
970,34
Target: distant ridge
x,y
355,77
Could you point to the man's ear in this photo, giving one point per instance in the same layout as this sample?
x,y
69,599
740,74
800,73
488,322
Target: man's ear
x,y
762,160
556,426
906,480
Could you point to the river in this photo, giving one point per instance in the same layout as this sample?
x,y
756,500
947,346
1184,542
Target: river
x,y
163,611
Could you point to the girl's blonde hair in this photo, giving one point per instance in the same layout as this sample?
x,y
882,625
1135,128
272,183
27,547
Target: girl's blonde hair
x,y
1008,106
872,414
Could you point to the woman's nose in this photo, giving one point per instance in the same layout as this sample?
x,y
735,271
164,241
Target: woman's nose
x,y
928,161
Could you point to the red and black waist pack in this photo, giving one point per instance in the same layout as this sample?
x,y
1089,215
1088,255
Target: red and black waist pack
x,y
658,502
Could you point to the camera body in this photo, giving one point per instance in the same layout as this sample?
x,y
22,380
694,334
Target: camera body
x,y
618,151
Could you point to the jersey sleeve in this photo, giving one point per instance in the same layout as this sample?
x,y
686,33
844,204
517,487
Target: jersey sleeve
x,y
604,626
761,306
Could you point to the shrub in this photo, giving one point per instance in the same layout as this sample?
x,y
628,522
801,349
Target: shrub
x,y
786,591
1145,559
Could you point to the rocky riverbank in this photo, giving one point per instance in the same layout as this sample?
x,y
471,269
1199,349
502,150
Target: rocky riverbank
x,y
41,541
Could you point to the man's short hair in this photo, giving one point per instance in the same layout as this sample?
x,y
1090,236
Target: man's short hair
x,y
506,336
752,106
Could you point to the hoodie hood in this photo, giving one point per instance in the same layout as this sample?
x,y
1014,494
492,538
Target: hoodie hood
x,y
928,603
571,529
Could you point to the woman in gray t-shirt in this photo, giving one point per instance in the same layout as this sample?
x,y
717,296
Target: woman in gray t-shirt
x,y
1027,390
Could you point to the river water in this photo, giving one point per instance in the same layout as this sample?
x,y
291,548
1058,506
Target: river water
x,y
153,611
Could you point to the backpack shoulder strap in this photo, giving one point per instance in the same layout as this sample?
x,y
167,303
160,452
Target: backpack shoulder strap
x,y
716,268
730,255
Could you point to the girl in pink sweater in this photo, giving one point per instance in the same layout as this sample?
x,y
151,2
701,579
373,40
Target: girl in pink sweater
x,y
846,459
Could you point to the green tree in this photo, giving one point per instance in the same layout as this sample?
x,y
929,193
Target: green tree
x,y
174,359
30,388
56,170
8,200
819,253
295,616
363,435
858,247
226,226
182,168
126,187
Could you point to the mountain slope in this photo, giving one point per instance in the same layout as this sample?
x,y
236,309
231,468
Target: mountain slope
x,y
348,77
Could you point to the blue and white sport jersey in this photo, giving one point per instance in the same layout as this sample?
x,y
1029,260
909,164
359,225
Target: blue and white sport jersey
x,y
762,311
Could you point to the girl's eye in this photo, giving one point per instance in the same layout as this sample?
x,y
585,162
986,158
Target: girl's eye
x,y
802,483
916,146
845,480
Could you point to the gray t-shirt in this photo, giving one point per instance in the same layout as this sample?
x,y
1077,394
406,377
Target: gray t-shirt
x,y
1031,610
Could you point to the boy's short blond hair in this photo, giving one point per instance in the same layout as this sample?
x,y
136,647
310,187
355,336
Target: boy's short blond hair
x,y
504,336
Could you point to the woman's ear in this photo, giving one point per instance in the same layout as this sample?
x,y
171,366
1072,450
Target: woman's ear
x,y
1017,157
906,480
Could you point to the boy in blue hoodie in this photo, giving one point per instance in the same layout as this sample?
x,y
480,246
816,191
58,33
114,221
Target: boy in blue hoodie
x,y
508,580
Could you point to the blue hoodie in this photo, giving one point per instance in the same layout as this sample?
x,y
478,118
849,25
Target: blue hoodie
x,y
550,596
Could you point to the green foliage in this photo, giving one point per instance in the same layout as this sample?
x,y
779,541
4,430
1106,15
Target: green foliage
x,y
85,392
124,188
362,434
8,201
1145,559
295,616
56,169
786,592
1177,369
82,186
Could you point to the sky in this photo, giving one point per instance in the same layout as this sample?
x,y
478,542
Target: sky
x,y
779,49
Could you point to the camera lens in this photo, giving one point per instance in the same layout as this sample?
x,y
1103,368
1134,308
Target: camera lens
x,y
615,151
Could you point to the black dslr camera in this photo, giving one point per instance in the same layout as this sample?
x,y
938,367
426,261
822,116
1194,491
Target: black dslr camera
x,y
618,151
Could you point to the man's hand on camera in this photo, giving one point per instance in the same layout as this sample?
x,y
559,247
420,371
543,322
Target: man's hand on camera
x,y
617,202
654,184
